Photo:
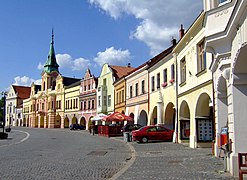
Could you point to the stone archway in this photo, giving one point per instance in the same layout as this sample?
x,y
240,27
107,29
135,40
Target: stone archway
x,y
153,119
57,122
83,121
41,121
66,122
204,119
143,118
237,101
170,113
74,120
184,121
36,121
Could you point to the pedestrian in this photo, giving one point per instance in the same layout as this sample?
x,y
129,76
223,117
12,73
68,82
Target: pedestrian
x,y
93,127
90,128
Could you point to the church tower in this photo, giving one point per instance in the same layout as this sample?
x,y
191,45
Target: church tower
x,y
50,71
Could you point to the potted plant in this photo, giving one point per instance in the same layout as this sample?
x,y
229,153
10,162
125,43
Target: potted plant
x,y
172,81
164,84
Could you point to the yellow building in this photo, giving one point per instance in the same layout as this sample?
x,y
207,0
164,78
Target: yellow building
x,y
195,92
120,97
162,91
45,107
72,107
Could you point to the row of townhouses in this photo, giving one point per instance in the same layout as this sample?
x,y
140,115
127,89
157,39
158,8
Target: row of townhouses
x,y
197,87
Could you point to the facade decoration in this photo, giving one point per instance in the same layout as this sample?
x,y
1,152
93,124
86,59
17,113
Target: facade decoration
x,y
87,98
226,38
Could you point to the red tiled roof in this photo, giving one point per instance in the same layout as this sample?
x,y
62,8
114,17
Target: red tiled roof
x,y
120,71
23,92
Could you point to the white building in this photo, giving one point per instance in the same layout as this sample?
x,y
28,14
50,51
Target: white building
x,y
14,103
226,37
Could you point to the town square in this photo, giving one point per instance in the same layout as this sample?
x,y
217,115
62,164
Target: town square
x,y
175,113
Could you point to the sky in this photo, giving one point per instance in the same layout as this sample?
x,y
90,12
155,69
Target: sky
x,y
87,34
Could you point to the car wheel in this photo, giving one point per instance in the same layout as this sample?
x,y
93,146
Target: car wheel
x,y
144,139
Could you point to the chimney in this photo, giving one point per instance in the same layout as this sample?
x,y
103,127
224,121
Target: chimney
x,y
129,65
181,32
174,41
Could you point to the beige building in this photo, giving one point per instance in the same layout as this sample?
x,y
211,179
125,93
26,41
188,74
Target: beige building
x,y
195,91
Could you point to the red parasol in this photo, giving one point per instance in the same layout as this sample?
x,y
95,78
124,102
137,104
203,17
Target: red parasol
x,y
116,116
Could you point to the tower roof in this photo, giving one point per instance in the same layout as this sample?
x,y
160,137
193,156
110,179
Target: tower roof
x,y
51,62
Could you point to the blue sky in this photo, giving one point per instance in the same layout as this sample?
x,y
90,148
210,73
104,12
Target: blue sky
x,y
88,33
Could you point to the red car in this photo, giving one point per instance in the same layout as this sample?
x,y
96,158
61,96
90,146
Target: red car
x,y
147,133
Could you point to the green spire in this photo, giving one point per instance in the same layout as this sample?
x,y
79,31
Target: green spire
x,y
51,62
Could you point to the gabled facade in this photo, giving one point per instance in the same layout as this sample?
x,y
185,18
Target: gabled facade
x,y
194,88
14,105
105,90
87,98
226,38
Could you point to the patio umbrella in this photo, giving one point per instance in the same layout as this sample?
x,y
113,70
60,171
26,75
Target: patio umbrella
x,y
98,117
116,116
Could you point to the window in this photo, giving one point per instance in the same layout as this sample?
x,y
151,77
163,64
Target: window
x,y
43,106
122,95
152,83
131,95
81,105
85,88
109,100
89,87
136,89
201,60
104,82
183,70
165,75
99,101
158,80
143,86
117,98
85,105
92,104
52,105
172,72
71,104
89,104
76,103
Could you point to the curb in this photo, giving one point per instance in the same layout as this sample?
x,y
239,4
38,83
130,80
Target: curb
x,y
129,161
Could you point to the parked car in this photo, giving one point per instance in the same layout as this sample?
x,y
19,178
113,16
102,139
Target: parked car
x,y
153,132
130,127
77,127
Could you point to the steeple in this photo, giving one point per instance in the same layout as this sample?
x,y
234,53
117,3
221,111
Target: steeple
x,y
51,62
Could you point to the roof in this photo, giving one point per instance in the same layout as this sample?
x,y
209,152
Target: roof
x,y
23,92
68,81
121,71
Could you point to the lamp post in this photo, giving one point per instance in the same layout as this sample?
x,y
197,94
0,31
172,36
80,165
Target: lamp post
x,y
4,110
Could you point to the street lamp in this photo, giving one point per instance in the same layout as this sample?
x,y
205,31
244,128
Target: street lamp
x,y
4,94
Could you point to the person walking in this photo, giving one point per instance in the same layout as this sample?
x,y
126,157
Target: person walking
x,y
93,127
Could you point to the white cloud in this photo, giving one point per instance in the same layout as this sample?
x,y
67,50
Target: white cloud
x,y
160,19
113,56
25,81
66,61
80,64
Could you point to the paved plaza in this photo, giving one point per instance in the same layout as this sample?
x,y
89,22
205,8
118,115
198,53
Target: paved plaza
x,y
31,153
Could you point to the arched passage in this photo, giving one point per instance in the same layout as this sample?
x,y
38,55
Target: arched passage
x,y
83,121
143,118
184,120
74,120
238,100
204,118
170,116
153,119
57,122
66,122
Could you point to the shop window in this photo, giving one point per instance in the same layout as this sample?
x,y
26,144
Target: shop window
x,y
185,129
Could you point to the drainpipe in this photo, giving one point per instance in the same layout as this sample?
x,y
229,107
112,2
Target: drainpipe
x,y
175,135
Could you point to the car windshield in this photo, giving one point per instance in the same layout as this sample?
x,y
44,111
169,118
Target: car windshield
x,y
141,129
